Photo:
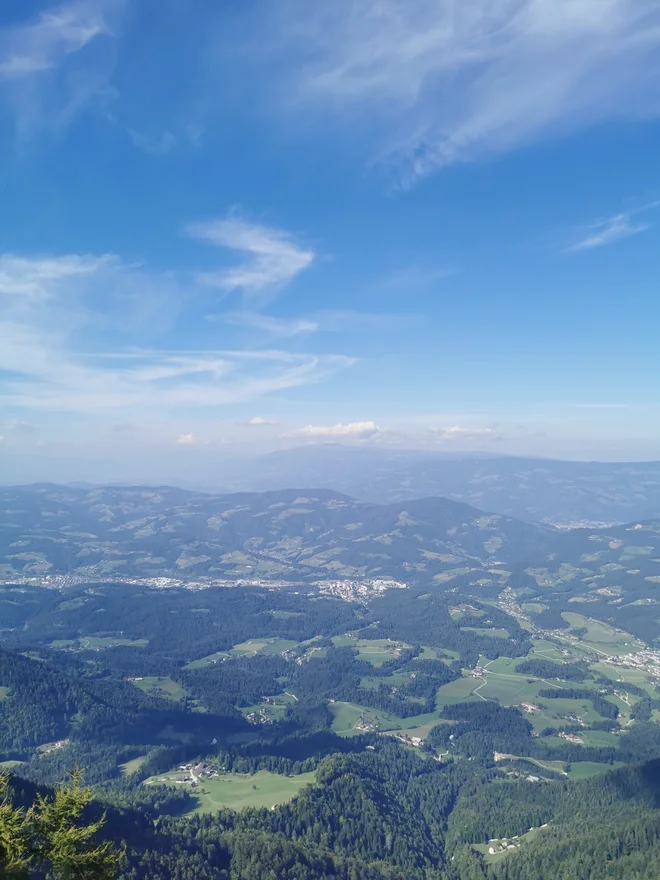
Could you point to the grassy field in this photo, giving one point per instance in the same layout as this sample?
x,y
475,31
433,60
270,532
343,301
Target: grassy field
x,y
545,650
4,693
600,739
600,637
500,857
510,690
160,687
111,642
347,715
238,791
277,646
9,765
554,766
251,647
91,642
587,769
275,708
422,728
397,679
457,691
218,657
493,632
131,766
374,651
633,676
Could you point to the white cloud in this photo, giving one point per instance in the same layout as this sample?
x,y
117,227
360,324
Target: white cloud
x,y
323,321
459,433
41,277
611,230
68,345
355,430
442,81
261,422
45,76
272,259
42,43
190,440
283,327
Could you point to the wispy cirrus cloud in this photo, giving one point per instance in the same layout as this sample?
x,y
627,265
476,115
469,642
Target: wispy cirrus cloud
x,y
46,72
283,327
434,82
272,258
55,310
323,321
43,42
611,229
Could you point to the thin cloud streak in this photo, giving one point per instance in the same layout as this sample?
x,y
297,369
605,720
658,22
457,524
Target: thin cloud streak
x,y
283,327
612,229
324,321
272,257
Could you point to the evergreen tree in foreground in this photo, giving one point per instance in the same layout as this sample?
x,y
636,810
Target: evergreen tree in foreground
x,y
53,836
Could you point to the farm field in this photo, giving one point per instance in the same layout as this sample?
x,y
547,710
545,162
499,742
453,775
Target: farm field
x,y
600,637
91,642
510,690
457,691
218,657
249,647
545,650
262,646
160,687
587,769
496,858
628,676
422,726
131,766
374,651
347,715
111,642
237,791
493,632
272,708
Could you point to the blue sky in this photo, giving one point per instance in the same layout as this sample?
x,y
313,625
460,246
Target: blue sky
x,y
249,225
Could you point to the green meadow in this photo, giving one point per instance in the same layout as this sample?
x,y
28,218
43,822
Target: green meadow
x,y
237,791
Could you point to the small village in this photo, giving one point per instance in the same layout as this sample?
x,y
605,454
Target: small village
x,y
497,845
193,775
647,661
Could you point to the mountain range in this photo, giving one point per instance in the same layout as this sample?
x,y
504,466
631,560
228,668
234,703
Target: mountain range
x,y
297,534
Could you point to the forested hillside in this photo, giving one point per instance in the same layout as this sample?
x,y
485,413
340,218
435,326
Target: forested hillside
x,y
479,718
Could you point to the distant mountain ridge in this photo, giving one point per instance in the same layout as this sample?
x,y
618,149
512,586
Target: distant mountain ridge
x,y
524,488
146,531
